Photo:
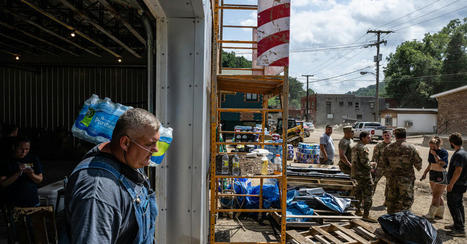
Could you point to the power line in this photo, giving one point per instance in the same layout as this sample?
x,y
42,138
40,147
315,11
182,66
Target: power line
x,y
335,57
432,18
325,49
313,50
428,5
329,78
425,76
423,15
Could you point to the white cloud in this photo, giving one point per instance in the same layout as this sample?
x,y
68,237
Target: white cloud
x,y
316,24
325,23
251,21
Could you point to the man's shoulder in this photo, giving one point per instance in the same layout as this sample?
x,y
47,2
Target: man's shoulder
x,y
404,145
359,147
460,155
463,153
381,145
344,141
94,182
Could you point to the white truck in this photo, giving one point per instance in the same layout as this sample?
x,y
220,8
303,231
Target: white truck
x,y
374,128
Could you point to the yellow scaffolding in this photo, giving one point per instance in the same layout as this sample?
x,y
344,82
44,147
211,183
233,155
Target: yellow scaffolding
x,y
266,85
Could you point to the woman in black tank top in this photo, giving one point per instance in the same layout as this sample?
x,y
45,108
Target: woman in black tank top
x,y
437,163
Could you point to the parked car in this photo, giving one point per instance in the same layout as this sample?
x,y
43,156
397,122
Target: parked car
x,y
310,126
374,128
306,129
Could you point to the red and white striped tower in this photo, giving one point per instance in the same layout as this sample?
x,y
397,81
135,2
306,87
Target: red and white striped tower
x,y
273,32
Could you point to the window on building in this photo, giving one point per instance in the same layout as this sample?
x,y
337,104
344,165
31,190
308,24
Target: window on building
x,y
328,107
387,105
359,116
357,106
341,103
372,105
251,97
350,103
388,121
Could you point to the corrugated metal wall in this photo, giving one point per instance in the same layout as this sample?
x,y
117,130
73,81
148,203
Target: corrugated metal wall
x,y
50,97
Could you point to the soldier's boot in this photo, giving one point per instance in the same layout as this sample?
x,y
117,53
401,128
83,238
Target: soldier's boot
x,y
366,217
440,212
430,216
358,212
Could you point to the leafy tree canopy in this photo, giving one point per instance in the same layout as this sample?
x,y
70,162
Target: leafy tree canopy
x,y
419,69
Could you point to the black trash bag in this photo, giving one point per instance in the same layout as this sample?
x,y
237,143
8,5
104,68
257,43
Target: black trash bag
x,y
408,228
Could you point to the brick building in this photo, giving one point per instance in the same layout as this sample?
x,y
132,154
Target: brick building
x,y
452,107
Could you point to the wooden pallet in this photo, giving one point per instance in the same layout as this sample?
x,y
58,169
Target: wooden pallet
x,y
355,231
326,184
319,217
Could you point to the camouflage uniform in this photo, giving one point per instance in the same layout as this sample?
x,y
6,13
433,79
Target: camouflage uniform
x,y
361,172
379,171
399,159
345,146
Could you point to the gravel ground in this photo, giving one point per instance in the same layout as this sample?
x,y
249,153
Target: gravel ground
x,y
422,189
230,230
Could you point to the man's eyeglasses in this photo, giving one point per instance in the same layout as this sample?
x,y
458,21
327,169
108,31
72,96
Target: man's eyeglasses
x,y
141,146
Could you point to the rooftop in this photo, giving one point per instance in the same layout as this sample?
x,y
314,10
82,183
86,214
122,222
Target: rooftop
x,y
428,110
462,88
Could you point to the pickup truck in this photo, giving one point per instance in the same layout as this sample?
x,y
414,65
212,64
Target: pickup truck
x,y
374,128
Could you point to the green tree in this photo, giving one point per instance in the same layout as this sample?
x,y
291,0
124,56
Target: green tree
x,y
370,91
229,59
418,69
454,70
296,93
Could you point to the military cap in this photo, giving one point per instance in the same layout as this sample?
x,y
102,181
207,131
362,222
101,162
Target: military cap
x,y
399,130
347,128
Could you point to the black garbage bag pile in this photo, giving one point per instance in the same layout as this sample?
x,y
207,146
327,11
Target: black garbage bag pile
x,y
408,228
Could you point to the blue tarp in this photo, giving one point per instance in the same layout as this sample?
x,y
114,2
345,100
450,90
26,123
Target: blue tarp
x,y
296,205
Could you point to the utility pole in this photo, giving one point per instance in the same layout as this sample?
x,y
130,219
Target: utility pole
x,y
377,59
307,99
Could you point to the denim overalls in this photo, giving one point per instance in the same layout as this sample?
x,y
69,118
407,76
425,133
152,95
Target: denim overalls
x,y
144,202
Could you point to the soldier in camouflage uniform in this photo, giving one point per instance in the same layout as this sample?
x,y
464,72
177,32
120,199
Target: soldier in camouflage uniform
x,y
399,159
361,172
345,154
378,158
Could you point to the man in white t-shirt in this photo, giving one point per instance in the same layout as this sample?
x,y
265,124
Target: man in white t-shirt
x,y
326,145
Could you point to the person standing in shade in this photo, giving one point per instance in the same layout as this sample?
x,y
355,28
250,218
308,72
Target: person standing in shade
x,y
21,174
108,198
361,172
457,178
326,145
345,153
399,159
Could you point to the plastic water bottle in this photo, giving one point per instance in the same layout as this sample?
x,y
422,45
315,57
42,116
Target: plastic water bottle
x,y
96,120
162,145
277,164
225,164
85,116
264,165
235,165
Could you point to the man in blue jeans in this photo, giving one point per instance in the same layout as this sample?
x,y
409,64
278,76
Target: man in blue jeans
x,y
108,198
457,178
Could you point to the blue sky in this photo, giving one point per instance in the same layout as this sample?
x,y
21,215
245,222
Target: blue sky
x,y
330,23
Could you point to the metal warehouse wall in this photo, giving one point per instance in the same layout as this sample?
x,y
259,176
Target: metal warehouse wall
x,y
50,96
